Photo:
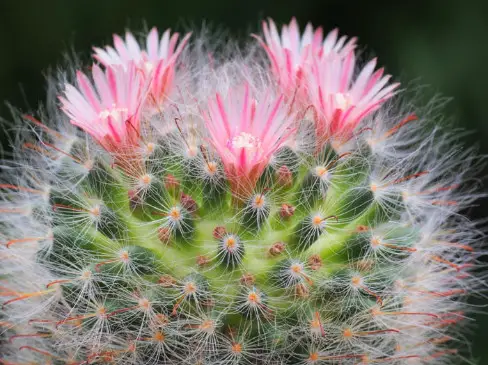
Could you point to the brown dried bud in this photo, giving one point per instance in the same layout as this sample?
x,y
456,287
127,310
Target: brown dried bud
x,y
284,176
171,183
164,234
365,265
134,199
247,279
276,248
301,291
202,260
188,203
361,228
231,332
162,319
219,232
315,262
167,281
208,303
286,211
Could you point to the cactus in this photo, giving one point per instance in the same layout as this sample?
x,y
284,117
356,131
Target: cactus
x,y
276,206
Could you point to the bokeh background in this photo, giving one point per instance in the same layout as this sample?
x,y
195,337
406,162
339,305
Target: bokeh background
x,y
441,43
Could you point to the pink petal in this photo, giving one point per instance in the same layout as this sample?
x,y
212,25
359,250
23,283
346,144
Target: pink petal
x,y
152,44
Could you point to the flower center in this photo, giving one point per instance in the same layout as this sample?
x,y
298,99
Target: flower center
x,y
175,213
322,172
314,356
343,101
356,281
317,221
148,66
253,297
207,326
190,288
95,211
347,333
146,179
86,275
114,112
236,348
150,148
230,243
124,256
245,140
259,201
375,242
144,303
101,312
159,336
296,268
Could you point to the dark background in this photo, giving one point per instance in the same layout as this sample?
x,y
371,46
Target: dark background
x,y
440,43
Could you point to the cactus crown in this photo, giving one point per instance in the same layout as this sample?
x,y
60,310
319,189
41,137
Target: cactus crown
x,y
234,211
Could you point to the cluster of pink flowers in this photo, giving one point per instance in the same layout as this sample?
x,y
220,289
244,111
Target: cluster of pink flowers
x,y
290,53
319,73
311,73
133,78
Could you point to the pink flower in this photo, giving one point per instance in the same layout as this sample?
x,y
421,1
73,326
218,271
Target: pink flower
x,y
290,52
245,133
109,110
341,100
157,61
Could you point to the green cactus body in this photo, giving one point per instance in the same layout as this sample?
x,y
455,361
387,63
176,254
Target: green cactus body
x,y
279,236
243,269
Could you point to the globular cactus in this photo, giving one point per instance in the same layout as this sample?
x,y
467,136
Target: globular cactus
x,y
192,204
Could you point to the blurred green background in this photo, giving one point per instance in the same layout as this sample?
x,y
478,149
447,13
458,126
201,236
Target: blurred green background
x,y
440,43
